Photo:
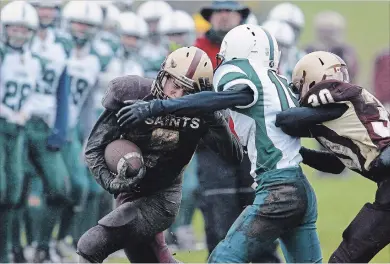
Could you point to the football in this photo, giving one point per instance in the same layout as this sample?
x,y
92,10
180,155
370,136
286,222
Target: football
x,y
123,157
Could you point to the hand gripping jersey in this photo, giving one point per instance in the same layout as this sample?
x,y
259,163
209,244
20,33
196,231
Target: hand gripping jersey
x,y
359,135
55,49
19,73
269,148
167,142
84,70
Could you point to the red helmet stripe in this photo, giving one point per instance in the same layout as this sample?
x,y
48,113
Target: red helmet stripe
x,y
194,63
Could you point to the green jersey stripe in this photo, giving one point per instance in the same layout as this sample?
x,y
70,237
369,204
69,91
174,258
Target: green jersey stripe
x,y
231,76
271,45
285,83
267,154
281,93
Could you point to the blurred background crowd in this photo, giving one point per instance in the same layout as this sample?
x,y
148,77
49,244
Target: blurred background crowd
x,y
68,51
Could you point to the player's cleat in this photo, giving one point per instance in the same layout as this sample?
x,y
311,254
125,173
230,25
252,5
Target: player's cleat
x,y
44,256
18,256
66,251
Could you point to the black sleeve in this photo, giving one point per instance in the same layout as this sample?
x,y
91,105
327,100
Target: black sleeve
x,y
104,132
206,102
322,160
298,121
221,140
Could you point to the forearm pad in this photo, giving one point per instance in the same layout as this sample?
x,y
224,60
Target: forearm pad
x,y
321,160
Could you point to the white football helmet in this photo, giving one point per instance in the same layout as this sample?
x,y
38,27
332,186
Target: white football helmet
x,y
178,28
87,13
153,10
47,19
289,13
18,13
251,20
110,15
250,42
283,32
124,5
131,25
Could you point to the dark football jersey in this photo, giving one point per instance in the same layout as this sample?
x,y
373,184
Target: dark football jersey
x,y
361,133
167,142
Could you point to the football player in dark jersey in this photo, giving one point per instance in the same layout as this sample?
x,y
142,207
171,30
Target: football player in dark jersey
x,y
148,206
354,127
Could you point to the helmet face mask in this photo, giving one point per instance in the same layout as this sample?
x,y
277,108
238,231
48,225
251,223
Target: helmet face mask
x,y
316,67
19,22
47,16
182,70
17,36
82,32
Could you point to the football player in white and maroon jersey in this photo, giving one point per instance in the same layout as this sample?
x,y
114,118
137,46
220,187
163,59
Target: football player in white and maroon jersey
x,y
353,126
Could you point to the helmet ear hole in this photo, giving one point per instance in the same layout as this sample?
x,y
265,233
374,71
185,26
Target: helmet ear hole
x,y
312,84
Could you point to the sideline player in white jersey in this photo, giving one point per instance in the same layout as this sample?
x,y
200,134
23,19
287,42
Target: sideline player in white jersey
x,y
19,73
82,20
152,51
132,31
45,134
177,30
292,15
109,32
285,37
285,205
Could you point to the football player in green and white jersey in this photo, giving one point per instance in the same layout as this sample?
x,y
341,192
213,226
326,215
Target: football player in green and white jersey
x,y
284,35
48,124
294,17
153,51
19,74
82,20
285,204
109,32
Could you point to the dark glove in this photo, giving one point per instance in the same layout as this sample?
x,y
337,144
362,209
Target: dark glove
x,y
121,183
205,85
137,111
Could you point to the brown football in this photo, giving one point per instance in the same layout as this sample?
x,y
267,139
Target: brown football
x,y
123,155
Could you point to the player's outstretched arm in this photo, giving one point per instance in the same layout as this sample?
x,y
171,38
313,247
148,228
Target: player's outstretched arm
x,y
221,140
297,121
322,160
105,131
189,105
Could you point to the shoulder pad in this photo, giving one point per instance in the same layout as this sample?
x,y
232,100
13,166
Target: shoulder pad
x,y
104,53
330,91
130,87
43,62
65,40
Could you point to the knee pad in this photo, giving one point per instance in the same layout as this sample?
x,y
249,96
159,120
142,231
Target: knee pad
x,y
94,245
382,196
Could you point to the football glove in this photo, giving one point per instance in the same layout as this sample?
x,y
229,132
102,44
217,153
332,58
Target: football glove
x,y
136,111
121,183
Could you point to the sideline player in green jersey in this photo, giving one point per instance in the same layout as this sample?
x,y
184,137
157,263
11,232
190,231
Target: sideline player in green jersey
x,y
19,71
